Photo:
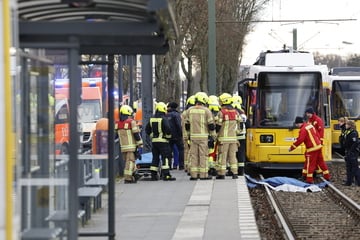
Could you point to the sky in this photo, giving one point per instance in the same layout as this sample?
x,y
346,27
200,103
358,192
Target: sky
x,y
332,37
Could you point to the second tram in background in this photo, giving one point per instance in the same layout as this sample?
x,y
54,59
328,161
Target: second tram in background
x,y
278,87
345,98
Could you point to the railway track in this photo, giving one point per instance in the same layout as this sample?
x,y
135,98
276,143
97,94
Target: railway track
x,y
328,214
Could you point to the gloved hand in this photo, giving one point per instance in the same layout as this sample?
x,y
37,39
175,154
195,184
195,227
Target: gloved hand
x,y
137,154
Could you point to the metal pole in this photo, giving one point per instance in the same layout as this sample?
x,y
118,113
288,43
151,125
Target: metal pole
x,y
147,98
295,39
103,88
111,147
75,87
212,48
120,71
131,80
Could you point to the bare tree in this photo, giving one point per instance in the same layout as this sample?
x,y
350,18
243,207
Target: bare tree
x,y
191,47
234,21
353,60
331,60
168,83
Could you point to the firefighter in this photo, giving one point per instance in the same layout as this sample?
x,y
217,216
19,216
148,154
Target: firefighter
x,y
214,107
241,136
351,154
309,136
189,103
159,130
318,123
130,140
228,120
199,124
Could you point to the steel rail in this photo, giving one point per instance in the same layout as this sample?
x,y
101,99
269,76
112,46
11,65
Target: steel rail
x,y
283,223
348,202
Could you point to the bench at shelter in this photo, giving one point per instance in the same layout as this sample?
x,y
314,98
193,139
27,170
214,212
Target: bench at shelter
x,y
86,194
41,233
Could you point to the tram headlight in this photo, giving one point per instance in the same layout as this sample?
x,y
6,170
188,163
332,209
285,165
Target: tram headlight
x,y
266,138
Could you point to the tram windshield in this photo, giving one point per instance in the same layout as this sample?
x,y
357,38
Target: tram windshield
x,y
283,96
345,99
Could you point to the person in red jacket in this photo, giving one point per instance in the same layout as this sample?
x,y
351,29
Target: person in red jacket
x,y
316,121
313,158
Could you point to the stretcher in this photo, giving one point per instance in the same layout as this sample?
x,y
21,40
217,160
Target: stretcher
x,y
143,164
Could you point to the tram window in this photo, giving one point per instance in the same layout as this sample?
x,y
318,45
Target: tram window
x,y
345,97
282,97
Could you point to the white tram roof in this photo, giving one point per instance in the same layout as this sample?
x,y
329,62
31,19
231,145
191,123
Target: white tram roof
x,y
344,78
298,59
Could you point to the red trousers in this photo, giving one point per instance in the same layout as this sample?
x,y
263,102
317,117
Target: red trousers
x,y
313,160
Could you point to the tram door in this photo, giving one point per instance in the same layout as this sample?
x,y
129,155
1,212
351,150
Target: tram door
x,y
42,181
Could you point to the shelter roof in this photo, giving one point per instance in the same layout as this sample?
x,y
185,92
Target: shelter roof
x,y
97,26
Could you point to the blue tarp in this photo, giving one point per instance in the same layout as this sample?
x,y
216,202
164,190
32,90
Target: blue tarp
x,y
285,184
145,158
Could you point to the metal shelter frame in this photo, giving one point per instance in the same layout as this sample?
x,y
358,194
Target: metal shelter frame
x,y
104,27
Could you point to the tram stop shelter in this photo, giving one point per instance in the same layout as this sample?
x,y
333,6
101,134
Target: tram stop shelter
x,y
52,32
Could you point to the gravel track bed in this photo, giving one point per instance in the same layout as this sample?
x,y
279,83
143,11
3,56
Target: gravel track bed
x,y
298,203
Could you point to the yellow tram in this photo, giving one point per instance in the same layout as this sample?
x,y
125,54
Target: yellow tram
x,y
345,98
276,89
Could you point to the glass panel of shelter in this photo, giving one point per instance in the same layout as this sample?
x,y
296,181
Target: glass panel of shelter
x,y
43,181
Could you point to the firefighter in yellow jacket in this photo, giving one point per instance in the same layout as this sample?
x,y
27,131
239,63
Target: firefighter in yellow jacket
x,y
158,128
228,120
199,124
189,103
130,140
241,135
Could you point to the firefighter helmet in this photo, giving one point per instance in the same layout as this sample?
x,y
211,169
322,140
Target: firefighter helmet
x,y
161,107
237,99
225,99
201,97
236,105
214,103
190,100
126,110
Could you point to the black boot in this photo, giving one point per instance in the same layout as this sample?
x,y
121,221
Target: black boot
x,y
234,176
240,171
169,178
212,172
220,177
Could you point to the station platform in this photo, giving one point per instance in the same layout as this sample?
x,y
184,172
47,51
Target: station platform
x,y
179,210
